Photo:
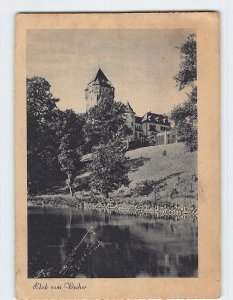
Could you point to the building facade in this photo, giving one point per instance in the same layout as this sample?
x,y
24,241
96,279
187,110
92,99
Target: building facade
x,y
141,127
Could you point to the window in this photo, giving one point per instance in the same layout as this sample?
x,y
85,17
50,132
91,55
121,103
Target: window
x,y
152,128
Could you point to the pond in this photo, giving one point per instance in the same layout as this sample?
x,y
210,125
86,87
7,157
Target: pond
x,y
131,246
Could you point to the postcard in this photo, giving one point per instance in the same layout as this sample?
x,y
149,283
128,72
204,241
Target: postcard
x,y
117,156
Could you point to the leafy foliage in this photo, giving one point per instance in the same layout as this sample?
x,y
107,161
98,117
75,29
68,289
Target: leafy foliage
x,y
42,142
151,139
69,156
187,74
55,137
40,101
68,122
106,133
104,121
185,117
70,131
185,114
108,167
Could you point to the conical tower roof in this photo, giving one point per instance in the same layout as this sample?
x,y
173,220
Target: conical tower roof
x,y
101,78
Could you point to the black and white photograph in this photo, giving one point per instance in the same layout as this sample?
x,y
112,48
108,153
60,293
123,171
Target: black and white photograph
x,y
112,142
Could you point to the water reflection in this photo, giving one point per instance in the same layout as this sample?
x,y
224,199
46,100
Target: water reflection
x,y
133,246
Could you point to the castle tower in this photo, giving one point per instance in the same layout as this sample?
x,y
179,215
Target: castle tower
x,y
99,87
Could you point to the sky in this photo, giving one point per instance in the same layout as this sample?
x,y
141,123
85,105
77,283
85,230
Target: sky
x,y
140,63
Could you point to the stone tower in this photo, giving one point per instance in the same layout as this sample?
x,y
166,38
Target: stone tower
x,y
99,87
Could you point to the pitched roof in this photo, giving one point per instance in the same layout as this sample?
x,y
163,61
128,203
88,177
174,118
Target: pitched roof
x,y
138,119
100,78
155,118
129,108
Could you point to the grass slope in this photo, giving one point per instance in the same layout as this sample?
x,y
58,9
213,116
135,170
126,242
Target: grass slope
x,y
159,178
153,178
153,165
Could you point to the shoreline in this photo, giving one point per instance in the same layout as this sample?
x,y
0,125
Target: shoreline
x,y
167,210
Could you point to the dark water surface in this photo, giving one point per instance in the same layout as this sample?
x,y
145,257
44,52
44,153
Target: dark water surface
x,y
132,246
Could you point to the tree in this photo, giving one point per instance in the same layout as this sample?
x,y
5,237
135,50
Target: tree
x,y
55,138
185,114
69,157
187,74
69,122
42,142
108,167
107,133
185,117
71,135
104,120
151,139
40,101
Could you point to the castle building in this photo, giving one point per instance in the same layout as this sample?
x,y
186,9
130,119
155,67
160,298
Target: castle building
x,y
98,87
152,123
141,127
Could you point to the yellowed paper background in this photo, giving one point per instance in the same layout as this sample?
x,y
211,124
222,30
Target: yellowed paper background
x,y
207,285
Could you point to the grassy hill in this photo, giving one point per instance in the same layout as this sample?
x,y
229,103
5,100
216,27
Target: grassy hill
x,y
150,163
157,177
159,184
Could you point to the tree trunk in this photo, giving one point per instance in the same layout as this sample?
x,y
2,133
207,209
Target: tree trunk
x,y
70,184
71,190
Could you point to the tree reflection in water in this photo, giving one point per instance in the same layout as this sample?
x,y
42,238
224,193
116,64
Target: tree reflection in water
x,y
132,246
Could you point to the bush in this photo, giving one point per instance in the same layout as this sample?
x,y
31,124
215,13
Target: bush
x,y
144,188
124,191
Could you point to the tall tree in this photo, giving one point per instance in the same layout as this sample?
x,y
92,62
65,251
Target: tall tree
x,y
185,114
108,167
185,117
70,132
187,74
42,142
69,157
107,133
